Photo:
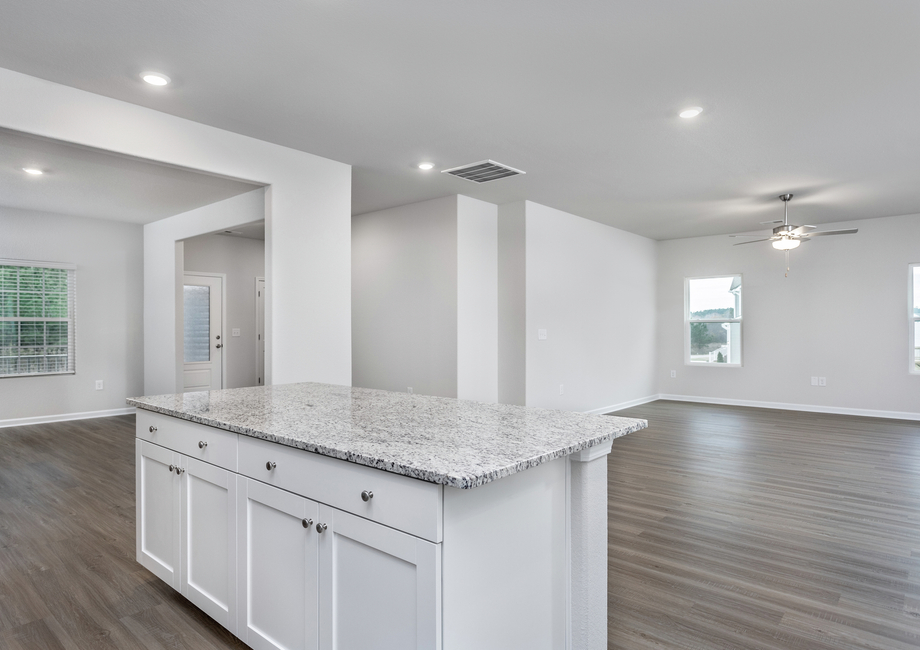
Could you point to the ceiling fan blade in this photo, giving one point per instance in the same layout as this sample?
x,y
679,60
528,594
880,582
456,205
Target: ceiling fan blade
x,y
754,241
852,231
802,229
760,235
771,223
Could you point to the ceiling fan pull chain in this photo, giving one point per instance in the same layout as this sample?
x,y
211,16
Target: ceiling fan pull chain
x,y
787,263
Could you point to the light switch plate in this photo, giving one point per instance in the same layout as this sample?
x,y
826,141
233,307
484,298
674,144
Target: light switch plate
x,y
814,381
235,331
99,384
822,381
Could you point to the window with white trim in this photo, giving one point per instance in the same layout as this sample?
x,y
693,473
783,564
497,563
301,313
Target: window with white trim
x,y
36,318
914,326
712,315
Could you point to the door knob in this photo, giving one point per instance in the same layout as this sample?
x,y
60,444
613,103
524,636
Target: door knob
x,y
321,527
367,495
218,345
217,337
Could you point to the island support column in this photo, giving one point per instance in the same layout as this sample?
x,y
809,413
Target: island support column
x,y
588,544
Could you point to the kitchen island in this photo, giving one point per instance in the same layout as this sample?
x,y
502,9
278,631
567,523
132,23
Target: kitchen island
x,y
320,516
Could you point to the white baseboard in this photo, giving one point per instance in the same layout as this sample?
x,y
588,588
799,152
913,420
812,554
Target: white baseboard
x,y
623,405
64,417
784,406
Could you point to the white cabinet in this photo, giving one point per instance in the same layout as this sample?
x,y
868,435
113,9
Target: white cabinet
x,y
208,540
278,583
158,493
312,576
186,528
379,588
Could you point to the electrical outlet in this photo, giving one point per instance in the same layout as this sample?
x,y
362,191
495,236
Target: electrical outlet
x,y
99,384
814,381
822,381
561,389
235,331
410,389
673,374
541,335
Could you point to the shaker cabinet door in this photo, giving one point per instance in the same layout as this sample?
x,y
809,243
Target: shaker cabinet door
x,y
208,576
380,589
277,568
158,494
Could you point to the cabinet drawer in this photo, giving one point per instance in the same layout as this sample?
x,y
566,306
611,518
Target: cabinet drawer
x,y
185,437
400,502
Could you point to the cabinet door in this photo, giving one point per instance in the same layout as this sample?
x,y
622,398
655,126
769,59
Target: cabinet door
x,y
380,589
157,494
277,568
208,532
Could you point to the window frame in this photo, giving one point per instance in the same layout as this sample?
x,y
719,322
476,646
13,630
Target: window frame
x,y
70,319
912,320
688,321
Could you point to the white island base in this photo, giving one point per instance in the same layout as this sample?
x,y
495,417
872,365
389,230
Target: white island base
x,y
280,546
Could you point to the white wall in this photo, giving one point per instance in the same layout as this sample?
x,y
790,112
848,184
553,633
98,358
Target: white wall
x,y
308,224
404,298
842,314
109,326
477,300
242,260
592,287
512,304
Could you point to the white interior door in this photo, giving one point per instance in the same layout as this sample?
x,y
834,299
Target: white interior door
x,y
260,331
202,328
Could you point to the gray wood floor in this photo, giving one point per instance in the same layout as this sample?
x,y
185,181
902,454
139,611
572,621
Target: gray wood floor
x,y
751,528
729,528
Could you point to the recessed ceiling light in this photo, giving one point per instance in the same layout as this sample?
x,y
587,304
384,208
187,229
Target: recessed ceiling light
x,y
426,166
155,78
693,111
33,170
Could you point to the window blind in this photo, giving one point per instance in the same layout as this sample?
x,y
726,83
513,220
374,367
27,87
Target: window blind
x,y
37,318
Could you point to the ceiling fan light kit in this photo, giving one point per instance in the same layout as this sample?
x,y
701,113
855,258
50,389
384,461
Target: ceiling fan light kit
x,y
788,236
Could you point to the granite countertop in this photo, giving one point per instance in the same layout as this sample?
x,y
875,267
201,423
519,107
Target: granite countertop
x,y
453,442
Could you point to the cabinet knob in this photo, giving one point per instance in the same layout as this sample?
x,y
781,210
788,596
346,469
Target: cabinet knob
x,y
202,444
179,471
270,465
307,523
153,429
321,527
367,495
171,468
218,346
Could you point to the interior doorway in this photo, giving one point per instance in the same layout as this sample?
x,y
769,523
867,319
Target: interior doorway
x,y
202,332
260,330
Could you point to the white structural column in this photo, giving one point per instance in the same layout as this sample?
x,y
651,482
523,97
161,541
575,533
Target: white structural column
x,y
588,539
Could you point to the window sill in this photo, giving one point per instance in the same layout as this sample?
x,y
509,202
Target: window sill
x,y
40,374
700,364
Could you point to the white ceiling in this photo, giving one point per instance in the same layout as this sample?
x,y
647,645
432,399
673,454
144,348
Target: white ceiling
x,y
254,230
811,97
86,182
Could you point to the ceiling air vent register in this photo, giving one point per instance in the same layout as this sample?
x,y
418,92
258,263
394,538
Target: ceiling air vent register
x,y
483,172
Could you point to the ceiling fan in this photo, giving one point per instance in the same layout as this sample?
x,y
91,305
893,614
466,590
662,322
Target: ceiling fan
x,y
789,236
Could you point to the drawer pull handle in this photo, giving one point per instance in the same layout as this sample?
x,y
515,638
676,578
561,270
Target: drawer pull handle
x,y
270,465
307,523
321,527
171,468
367,495
153,429
202,444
